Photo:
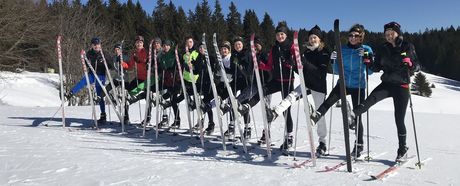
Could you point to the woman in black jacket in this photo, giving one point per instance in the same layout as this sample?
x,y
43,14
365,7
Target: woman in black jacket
x,y
398,60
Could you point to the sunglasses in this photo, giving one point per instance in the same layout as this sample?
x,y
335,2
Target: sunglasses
x,y
354,36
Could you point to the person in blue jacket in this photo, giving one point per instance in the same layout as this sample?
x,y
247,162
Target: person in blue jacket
x,y
355,57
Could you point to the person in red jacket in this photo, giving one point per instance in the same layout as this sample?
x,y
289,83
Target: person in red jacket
x,y
138,61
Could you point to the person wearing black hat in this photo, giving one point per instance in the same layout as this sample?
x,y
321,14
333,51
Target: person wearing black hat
x,y
356,56
94,56
397,59
315,61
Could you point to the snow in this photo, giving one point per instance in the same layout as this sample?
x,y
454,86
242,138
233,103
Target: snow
x,y
34,154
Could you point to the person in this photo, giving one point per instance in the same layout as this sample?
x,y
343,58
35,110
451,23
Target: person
x,y
398,60
315,66
138,61
353,55
94,56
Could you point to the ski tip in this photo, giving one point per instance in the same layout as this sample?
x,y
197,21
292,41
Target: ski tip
x,y
336,22
253,36
296,34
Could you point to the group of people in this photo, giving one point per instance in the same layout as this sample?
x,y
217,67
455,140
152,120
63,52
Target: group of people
x,y
396,58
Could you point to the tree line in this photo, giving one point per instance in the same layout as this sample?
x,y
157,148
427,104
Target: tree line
x,y
28,29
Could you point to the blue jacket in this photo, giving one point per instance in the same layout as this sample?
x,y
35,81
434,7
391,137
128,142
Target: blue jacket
x,y
353,67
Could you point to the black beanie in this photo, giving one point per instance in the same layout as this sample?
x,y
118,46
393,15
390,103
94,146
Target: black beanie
x,y
237,38
316,31
257,40
282,27
393,26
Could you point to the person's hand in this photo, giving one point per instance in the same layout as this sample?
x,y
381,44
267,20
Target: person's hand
x,y
124,65
334,55
361,52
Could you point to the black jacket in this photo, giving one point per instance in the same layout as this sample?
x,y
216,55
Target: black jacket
x,y
389,59
95,58
241,64
315,65
282,53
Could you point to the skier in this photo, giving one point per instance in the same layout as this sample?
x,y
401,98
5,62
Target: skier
x,y
315,66
353,55
396,58
138,60
95,58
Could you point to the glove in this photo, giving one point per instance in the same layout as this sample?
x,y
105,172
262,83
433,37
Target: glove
x,y
406,61
124,65
361,52
334,55
367,59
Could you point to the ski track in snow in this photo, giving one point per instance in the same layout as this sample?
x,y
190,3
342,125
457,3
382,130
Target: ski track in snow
x,y
33,154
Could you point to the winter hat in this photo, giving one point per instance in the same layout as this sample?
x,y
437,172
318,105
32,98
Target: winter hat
x,y
393,26
139,38
282,27
95,41
316,31
118,45
157,40
227,45
237,38
257,40
357,28
167,42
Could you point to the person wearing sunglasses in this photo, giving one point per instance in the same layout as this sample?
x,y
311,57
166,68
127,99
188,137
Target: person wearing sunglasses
x,y
398,60
355,56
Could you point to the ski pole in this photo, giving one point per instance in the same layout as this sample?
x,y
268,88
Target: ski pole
x,y
419,163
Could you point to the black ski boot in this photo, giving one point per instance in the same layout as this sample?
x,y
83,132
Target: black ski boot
x,y
271,115
287,143
247,133
402,154
176,124
164,121
321,149
210,128
144,122
357,150
126,120
262,139
230,131
103,119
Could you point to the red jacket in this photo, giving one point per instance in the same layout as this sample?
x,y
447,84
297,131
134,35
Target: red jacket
x,y
139,58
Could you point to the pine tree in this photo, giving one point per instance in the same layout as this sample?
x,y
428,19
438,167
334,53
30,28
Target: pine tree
x,y
268,31
250,23
218,21
421,85
235,28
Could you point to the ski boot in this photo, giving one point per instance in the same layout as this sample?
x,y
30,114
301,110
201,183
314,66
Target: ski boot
x,y
164,121
225,107
247,133
262,139
103,119
176,124
126,120
402,154
230,131
210,128
357,150
287,144
321,149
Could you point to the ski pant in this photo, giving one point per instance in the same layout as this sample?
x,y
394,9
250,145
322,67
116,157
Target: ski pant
x,y
357,97
82,83
318,98
400,97
133,86
174,93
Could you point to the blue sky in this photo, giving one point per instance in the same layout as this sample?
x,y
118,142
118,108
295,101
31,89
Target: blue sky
x,y
413,15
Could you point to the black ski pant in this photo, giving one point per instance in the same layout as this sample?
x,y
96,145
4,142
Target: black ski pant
x,y
400,97
357,97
